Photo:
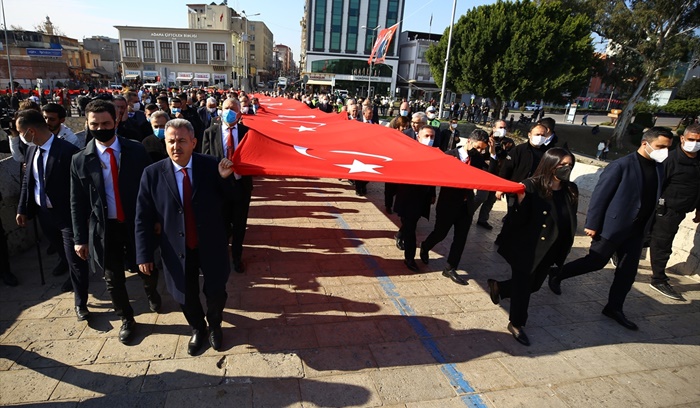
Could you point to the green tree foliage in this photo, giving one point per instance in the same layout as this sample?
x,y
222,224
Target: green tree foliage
x,y
690,89
647,35
516,51
688,108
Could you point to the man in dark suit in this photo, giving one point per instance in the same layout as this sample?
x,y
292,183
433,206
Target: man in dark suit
x,y
220,141
418,120
619,217
455,206
46,194
209,112
155,142
104,184
186,195
6,275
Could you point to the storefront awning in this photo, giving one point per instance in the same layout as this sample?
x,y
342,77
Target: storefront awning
x,y
183,78
319,82
130,76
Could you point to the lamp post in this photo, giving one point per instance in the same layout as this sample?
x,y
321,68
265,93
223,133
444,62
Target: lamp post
x,y
369,77
246,83
7,50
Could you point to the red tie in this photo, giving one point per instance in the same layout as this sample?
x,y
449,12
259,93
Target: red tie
x,y
115,184
190,223
229,144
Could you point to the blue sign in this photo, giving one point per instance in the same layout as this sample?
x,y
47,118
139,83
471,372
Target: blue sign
x,y
43,52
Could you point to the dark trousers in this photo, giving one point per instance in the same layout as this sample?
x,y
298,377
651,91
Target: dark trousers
x,y
389,193
628,251
461,220
666,223
60,234
519,287
236,219
4,253
118,248
407,233
484,201
215,296
361,186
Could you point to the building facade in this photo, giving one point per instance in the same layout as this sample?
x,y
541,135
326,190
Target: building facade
x,y
176,56
338,36
285,59
107,50
415,77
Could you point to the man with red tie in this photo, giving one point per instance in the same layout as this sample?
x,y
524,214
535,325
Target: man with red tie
x,y
221,140
104,185
185,195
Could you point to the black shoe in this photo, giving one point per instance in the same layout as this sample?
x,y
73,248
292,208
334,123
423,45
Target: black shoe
x,y
411,264
484,225
664,288
196,341
620,317
59,270
154,302
494,291
215,337
67,286
399,242
519,334
388,210
449,272
238,266
127,329
424,256
9,279
554,284
82,312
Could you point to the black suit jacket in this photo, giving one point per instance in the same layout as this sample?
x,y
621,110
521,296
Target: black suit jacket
x,y
450,198
159,202
213,146
89,200
57,181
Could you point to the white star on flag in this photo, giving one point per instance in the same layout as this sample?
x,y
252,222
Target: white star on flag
x,y
303,128
359,167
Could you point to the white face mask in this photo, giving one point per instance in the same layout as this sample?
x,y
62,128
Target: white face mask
x,y
431,116
25,141
537,140
453,126
658,155
499,133
691,147
137,106
426,141
244,109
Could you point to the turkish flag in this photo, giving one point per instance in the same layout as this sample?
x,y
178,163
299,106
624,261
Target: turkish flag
x,y
286,138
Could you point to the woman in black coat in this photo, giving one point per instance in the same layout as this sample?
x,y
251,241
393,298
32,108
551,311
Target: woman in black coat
x,y
539,234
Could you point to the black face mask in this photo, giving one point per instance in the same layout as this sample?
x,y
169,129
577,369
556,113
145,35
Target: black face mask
x,y
563,173
102,135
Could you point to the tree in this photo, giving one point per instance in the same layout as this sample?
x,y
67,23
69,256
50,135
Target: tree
x,y
689,108
516,51
690,89
648,34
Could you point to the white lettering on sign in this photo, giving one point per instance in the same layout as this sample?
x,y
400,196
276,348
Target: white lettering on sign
x,y
174,35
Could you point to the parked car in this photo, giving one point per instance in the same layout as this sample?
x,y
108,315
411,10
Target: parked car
x,y
532,107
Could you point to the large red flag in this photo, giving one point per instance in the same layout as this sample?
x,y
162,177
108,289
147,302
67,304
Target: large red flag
x,y
286,138
381,45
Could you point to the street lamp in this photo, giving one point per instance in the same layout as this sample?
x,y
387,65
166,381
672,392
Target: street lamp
x,y
246,50
369,78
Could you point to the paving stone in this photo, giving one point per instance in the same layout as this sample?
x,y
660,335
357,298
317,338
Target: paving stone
x,y
363,293
153,347
600,392
659,388
236,395
487,375
58,353
100,379
340,391
654,356
397,354
22,386
279,338
347,333
195,372
9,353
46,329
399,384
544,369
443,403
264,365
316,313
541,397
276,393
330,361
135,400
27,309
470,346
433,305
602,360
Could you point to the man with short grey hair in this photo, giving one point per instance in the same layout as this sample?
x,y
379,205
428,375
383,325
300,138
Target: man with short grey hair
x,y
418,120
209,113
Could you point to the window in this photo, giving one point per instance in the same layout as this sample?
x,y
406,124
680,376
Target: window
x,y
166,52
421,51
353,25
372,21
130,48
336,25
252,47
218,52
183,53
149,51
201,53
423,70
392,17
320,25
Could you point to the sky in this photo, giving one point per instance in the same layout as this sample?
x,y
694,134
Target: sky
x,y
82,18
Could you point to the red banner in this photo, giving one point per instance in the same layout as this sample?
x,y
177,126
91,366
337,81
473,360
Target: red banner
x,y
286,138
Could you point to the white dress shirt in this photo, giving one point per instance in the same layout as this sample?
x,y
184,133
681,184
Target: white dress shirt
x,y
107,174
45,148
179,177
224,137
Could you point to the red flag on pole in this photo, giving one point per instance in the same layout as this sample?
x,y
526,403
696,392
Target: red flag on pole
x,y
381,45
286,138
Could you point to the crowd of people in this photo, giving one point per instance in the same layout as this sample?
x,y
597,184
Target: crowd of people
x,y
152,173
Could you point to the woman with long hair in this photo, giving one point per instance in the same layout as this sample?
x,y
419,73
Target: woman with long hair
x,y
539,234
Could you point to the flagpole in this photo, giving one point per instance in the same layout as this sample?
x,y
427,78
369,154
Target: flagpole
x,y
369,77
7,50
447,59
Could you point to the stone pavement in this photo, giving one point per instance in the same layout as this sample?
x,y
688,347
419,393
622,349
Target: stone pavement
x,y
327,315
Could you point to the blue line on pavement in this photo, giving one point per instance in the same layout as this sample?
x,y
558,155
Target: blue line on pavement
x,y
466,392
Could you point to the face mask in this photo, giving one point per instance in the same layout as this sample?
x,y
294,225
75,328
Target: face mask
x,y
691,147
427,142
453,126
499,133
404,113
563,173
24,140
431,116
538,140
136,106
175,111
102,135
212,110
148,100
229,116
658,155
244,110
159,133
